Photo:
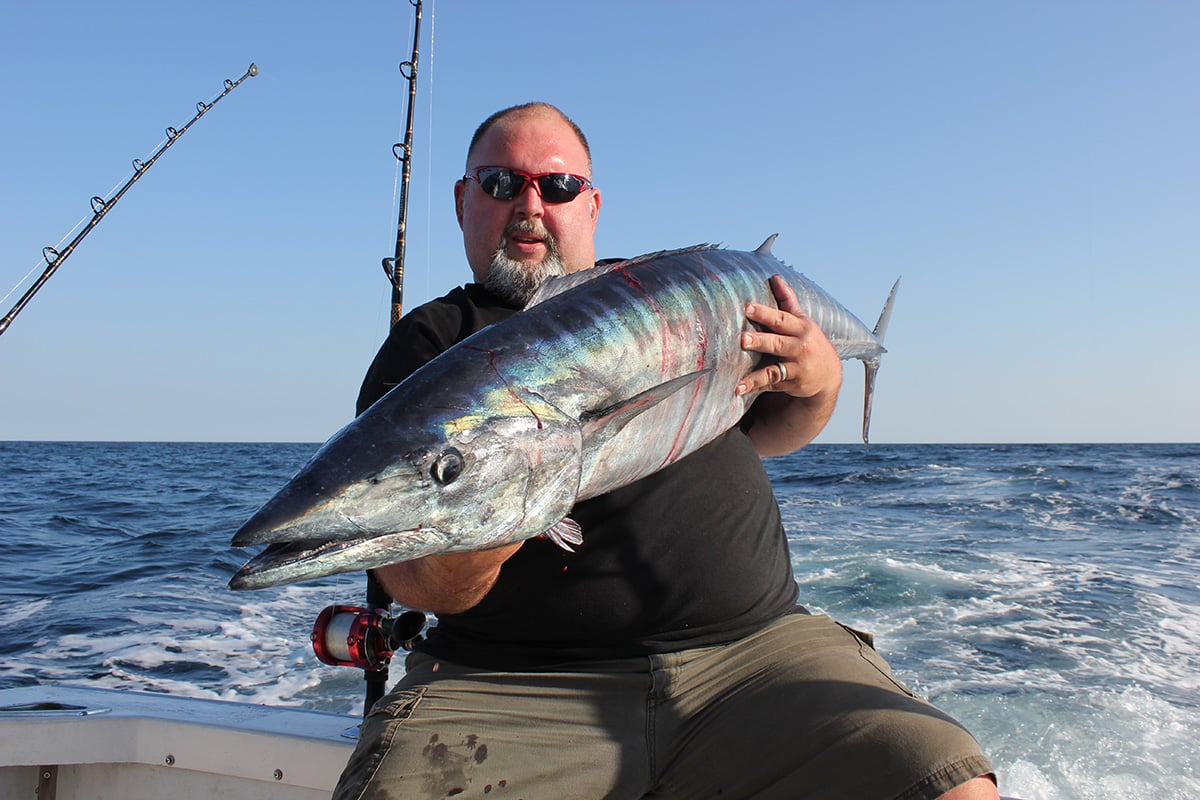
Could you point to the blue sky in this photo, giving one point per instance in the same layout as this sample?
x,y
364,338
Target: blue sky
x,y
1030,169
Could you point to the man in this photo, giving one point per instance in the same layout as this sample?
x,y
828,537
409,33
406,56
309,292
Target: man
x,y
666,657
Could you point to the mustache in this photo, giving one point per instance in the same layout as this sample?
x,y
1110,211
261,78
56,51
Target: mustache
x,y
529,227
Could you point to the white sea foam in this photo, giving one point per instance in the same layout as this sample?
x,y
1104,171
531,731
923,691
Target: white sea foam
x,y
1109,744
17,613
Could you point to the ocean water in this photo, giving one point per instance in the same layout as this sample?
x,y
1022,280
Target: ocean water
x,y
1046,595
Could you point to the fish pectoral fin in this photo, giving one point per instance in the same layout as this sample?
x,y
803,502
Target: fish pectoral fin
x,y
564,533
612,419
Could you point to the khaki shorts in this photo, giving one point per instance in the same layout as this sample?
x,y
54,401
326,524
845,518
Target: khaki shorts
x,y
804,708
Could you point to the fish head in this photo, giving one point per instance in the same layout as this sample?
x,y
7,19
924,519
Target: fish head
x,y
486,479
413,477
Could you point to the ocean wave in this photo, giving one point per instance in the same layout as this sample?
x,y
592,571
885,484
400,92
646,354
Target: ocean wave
x,y
1044,595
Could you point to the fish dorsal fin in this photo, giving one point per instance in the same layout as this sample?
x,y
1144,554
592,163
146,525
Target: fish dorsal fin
x,y
552,287
660,254
764,249
562,283
885,316
564,533
609,421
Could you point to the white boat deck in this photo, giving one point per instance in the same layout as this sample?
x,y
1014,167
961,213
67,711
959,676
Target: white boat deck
x,y
102,743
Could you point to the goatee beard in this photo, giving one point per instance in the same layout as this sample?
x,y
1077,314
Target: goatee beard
x,y
517,281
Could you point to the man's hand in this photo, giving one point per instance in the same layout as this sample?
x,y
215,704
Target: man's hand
x,y
804,378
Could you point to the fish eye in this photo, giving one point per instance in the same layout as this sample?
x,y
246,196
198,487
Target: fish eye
x,y
447,466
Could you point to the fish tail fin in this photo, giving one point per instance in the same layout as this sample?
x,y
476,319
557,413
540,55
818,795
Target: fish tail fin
x,y
872,364
868,396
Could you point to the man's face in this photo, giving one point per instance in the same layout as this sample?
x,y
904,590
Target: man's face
x,y
520,230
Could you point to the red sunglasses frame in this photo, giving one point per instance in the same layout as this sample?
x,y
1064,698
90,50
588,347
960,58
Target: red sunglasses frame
x,y
528,179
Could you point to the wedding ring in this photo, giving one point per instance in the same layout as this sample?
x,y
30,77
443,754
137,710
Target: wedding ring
x,y
782,372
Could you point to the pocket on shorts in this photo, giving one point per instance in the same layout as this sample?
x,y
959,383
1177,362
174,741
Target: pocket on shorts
x,y
399,705
866,638
375,737
866,649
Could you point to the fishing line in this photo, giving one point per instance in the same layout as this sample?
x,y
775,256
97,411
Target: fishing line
x,y
25,277
429,151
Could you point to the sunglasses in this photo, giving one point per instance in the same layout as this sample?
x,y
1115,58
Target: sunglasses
x,y
506,183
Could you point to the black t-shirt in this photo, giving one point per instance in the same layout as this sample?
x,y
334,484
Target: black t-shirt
x,y
692,555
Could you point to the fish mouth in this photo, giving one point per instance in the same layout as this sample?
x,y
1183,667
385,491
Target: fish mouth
x,y
291,562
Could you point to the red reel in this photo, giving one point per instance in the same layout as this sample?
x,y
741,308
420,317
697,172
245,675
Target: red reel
x,y
352,636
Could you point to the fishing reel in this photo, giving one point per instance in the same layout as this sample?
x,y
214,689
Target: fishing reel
x,y
353,636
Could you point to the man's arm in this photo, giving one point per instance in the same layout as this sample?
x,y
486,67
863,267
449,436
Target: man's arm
x,y
794,410
445,584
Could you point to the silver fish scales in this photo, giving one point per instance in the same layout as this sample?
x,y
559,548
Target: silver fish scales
x,y
607,376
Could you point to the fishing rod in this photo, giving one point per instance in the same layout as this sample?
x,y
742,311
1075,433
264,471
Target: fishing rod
x,y
378,600
367,636
54,258
394,266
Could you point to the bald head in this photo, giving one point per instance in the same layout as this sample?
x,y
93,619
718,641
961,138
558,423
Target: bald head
x,y
515,113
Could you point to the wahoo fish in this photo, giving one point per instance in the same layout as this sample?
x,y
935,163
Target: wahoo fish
x,y
607,375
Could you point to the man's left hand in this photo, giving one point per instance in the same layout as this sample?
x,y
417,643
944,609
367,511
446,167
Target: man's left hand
x,y
805,364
